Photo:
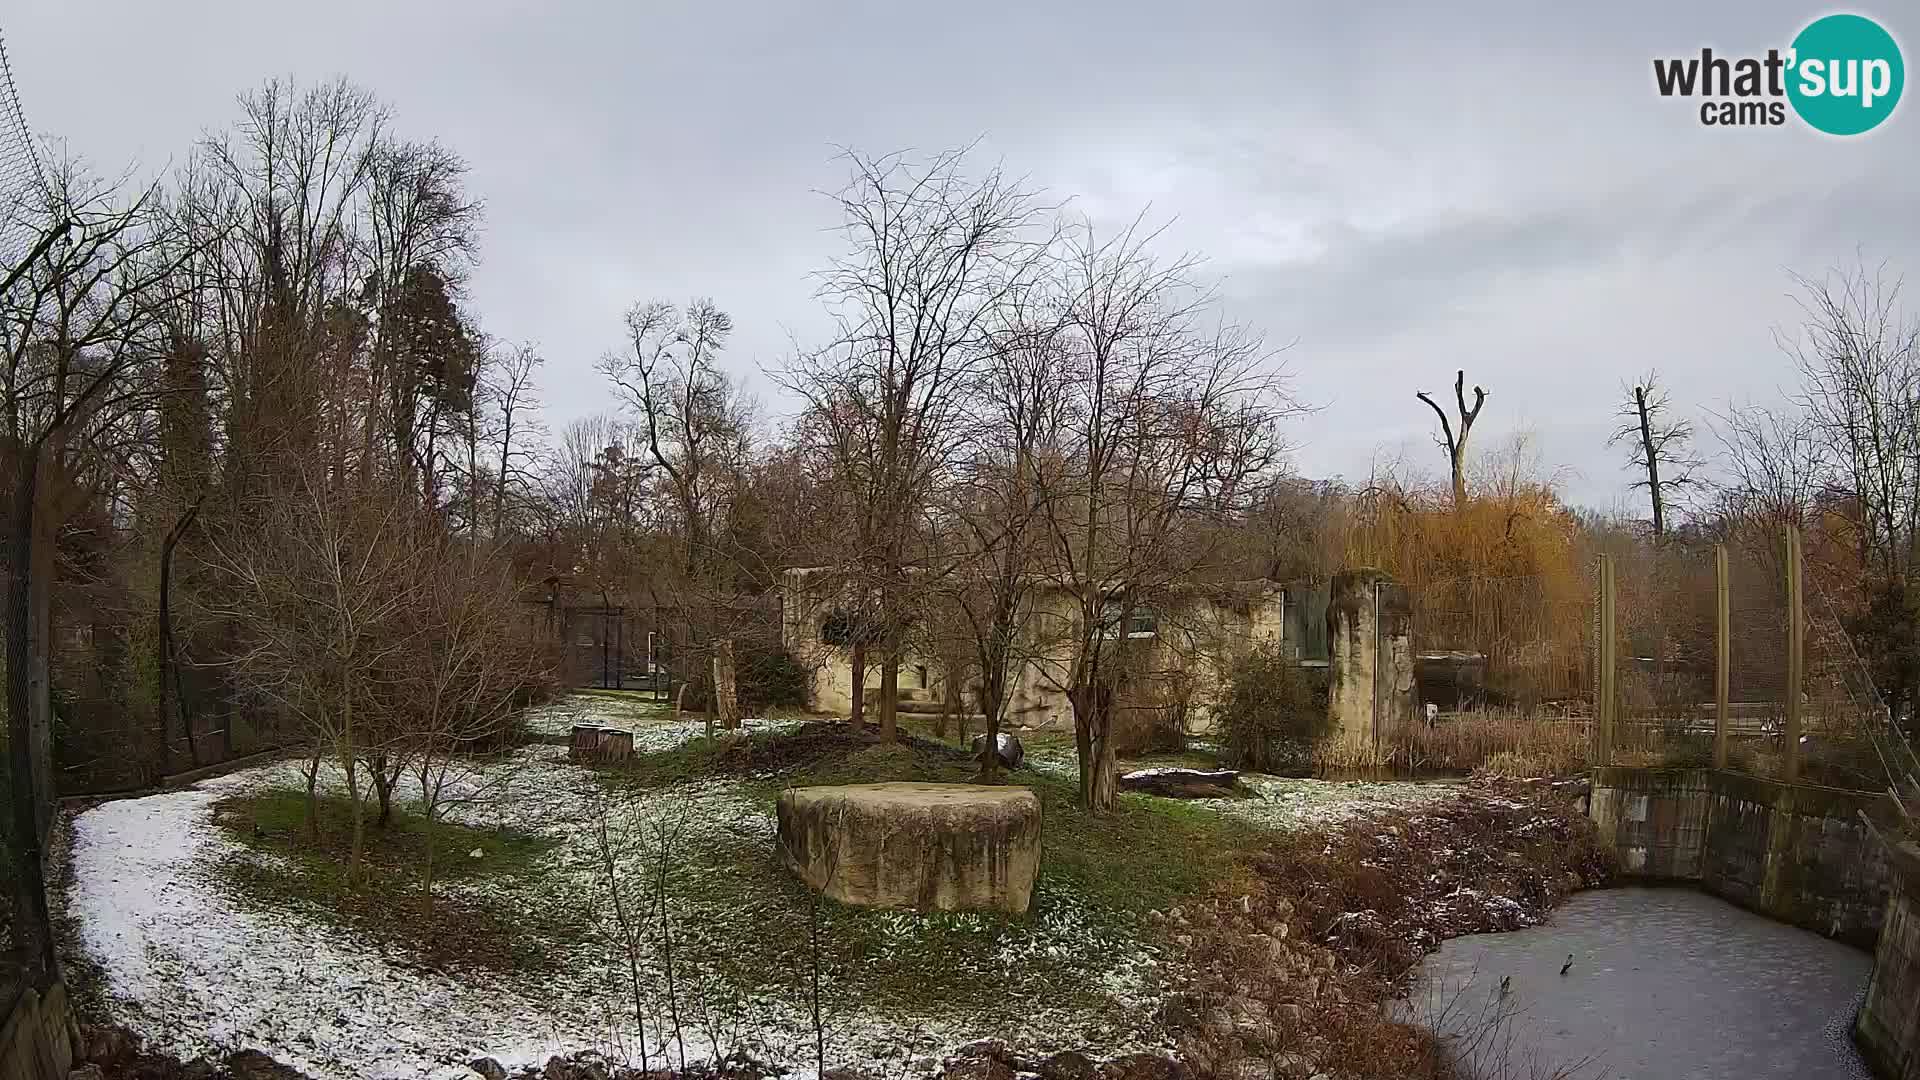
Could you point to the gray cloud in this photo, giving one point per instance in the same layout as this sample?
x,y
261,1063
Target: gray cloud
x,y
1401,189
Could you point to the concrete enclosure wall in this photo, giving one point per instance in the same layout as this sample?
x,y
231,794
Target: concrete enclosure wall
x,y
1186,644
1370,673
1793,852
1888,1028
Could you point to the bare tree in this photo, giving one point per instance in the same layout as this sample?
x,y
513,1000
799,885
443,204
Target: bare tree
x,y
1455,443
994,507
79,328
512,396
931,255
324,588
1169,427
1858,352
1660,447
696,428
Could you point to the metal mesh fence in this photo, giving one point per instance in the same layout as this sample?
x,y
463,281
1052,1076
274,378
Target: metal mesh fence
x,y
1667,659
22,182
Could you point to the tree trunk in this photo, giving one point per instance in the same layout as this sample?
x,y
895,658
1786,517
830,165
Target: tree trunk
x,y
32,922
1653,463
709,712
163,723
39,671
964,732
857,711
992,694
382,789
889,694
949,702
1093,741
169,662
313,799
725,687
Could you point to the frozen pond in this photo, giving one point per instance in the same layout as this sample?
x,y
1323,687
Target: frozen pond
x,y
1665,983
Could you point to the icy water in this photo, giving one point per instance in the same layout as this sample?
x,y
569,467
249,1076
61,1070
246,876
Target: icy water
x,y
1665,983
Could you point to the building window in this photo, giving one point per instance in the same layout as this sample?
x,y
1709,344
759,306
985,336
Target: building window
x,y
1140,622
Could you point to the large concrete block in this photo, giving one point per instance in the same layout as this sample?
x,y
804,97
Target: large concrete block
x,y
932,847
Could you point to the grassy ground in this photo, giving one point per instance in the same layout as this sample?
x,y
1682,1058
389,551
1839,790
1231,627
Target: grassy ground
x,y
1100,876
292,868
625,706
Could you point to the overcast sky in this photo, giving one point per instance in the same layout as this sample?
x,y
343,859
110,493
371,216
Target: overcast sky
x,y
1399,191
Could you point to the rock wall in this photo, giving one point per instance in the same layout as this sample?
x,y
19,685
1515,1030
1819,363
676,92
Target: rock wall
x,y
1798,853
1888,1029
35,1039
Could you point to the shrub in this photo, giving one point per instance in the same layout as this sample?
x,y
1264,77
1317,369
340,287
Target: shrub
x,y
1272,712
1150,716
771,678
1503,742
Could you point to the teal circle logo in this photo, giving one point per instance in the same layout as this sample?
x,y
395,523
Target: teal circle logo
x,y
1846,74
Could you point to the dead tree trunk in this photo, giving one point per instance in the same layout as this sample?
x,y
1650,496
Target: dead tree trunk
x,y
1653,463
1456,444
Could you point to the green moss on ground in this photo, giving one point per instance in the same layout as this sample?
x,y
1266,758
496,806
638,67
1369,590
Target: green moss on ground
x,y
626,706
289,867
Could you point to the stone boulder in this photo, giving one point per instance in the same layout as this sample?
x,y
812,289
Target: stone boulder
x,y
1182,783
1010,751
931,847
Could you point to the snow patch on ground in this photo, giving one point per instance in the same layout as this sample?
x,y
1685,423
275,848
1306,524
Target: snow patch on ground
x,y
1283,803
198,973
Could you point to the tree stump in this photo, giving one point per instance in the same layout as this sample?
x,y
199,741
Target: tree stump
x,y
584,742
930,847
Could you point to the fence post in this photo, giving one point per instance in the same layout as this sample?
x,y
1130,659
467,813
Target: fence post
x,y
1605,708
1796,649
1722,654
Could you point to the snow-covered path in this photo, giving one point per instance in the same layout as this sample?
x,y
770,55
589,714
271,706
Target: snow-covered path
x,y
197,973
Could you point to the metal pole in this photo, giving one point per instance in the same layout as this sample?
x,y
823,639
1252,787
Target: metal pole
x,y
1606,707
1796,649
1722,654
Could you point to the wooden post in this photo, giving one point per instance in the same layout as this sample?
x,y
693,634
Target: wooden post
x,y
1722,654
1796,647
1605,707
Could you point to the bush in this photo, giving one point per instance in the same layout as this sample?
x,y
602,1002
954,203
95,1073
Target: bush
x,y
1273,711
1498,741
764,676
771,678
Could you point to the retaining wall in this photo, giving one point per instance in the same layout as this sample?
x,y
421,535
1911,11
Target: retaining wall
x,y
1798,853
34,1039
1888,1029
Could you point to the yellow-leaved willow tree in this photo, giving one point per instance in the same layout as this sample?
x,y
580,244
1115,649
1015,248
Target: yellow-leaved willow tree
x,y
1501,573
